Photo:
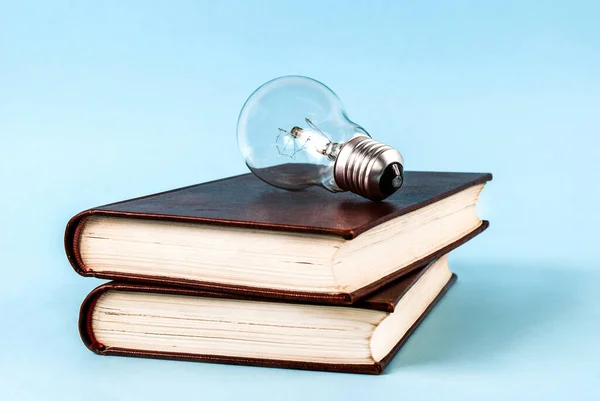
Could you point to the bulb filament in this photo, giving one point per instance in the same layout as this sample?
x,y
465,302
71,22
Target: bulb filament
x,y
313,141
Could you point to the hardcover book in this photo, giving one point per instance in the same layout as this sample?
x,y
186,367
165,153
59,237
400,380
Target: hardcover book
x,y
199,325
240,235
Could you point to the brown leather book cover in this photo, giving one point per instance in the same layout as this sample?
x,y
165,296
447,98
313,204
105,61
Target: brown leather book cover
x,y
386,299
245,201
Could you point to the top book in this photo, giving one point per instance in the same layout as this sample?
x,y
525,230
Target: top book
x,y
239,234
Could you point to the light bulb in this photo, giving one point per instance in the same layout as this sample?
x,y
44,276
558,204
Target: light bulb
x,y
294,133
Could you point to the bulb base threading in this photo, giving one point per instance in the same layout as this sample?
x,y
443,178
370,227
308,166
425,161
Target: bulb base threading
x,y
369,168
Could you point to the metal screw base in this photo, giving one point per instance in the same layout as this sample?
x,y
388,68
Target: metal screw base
x,y
369,168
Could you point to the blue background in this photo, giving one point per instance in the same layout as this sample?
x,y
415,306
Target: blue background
x,y
103,101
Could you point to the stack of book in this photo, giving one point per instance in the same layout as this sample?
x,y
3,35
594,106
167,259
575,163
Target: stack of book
x,y
236,271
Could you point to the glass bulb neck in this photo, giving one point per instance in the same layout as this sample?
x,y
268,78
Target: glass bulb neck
x,y
369,168
332,151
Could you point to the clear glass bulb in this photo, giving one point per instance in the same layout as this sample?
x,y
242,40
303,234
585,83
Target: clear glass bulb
x,y
293,133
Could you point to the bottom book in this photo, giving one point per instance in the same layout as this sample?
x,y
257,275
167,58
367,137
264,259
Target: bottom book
x,y
174,323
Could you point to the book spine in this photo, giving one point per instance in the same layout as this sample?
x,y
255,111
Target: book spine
x,y
71,242
86,331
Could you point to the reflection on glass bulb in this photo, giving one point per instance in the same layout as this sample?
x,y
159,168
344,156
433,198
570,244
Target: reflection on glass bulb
x,y
294,133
